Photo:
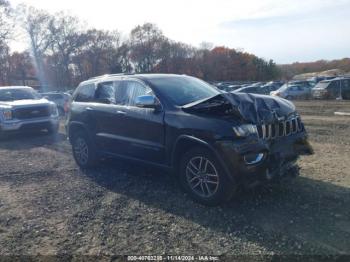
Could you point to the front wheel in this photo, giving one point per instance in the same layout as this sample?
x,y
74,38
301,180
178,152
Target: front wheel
x,y
204,179
84,151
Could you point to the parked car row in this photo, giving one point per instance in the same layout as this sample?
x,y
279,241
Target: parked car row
x,y
316,88
249,87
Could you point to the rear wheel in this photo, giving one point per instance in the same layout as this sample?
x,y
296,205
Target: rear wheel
x,y
204,179
84,151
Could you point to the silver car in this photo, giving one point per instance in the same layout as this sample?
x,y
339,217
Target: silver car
x,y
293,91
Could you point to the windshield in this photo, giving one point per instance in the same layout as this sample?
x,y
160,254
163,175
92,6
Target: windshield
x,y
284,87
18,94
182,90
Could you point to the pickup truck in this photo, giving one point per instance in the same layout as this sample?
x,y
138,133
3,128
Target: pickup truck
x,y
22,108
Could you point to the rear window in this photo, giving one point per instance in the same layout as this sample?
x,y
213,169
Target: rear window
x,y
85,93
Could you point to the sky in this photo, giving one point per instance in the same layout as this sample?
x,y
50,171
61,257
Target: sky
x,y
283,30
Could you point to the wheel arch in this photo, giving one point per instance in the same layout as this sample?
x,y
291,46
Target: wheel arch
x,y
184,142
74,127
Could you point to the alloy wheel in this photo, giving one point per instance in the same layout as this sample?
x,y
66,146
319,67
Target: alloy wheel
x,y
202,176
81,150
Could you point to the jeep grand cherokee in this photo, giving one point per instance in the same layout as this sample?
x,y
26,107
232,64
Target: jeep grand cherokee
x,y
214,141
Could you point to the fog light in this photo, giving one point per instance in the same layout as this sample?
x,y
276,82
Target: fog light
x,y
252,159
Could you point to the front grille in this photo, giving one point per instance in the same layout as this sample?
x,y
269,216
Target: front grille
x,y
32,112
280,129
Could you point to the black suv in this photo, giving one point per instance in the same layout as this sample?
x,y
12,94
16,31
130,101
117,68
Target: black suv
x,y
215,141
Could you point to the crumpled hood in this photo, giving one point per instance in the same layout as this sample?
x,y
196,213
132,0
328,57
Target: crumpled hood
x,y
24,103
250,108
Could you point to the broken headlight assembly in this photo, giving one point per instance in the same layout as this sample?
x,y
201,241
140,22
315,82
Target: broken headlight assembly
x,y
245,130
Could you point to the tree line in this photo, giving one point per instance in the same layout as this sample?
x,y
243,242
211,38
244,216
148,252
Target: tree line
x,y
289,70
62,52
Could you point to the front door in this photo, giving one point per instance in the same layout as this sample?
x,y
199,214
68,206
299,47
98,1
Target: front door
x,y
143,128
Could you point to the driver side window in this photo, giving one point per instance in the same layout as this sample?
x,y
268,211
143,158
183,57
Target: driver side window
x,y
127,93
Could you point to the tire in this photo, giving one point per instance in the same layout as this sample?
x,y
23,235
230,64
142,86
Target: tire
x,y
84,151
208,190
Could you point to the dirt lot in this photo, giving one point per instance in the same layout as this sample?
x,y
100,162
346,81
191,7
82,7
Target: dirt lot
x,y
49,206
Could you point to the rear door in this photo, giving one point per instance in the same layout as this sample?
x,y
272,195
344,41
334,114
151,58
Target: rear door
x,y
109,118
81,107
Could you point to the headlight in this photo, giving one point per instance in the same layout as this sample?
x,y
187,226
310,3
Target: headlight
x,y
7,114
54,110
245,130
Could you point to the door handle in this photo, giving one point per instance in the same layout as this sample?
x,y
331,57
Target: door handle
x,y
89,108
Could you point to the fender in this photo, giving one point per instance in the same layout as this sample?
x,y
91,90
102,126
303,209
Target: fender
x,y
202,143
76,124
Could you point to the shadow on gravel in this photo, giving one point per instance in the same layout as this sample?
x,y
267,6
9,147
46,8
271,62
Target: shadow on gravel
x,y
28,140
304,216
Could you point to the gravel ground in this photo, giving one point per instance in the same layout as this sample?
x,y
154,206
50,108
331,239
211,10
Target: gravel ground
x,y
48,206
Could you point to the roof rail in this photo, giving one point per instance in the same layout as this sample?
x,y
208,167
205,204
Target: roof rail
x,y
107,75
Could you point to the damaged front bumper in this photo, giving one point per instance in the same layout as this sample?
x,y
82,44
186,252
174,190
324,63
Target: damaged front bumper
x,y
252,161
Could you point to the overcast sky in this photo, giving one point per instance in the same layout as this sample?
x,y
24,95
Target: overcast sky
x,y
283,30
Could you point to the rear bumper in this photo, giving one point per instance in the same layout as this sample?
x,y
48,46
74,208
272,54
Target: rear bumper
x,y
18,125
279,157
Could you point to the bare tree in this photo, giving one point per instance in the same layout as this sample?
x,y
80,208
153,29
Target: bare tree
x,y
6,24
102,48
5,33
66,38
35,23
145,46
206,46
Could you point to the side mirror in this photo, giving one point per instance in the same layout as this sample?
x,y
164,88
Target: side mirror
x,y
146,101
